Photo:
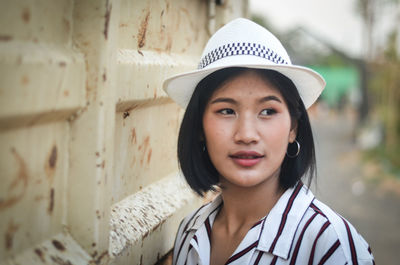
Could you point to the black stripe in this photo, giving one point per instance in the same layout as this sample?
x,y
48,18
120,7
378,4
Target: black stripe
x,y
351,243
329,252
242,253
180,248
285,214
298,243
321,231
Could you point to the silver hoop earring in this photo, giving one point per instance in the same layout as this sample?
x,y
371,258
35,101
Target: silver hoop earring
x,y
298,150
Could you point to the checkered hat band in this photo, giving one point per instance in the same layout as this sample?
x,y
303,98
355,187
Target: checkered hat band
x,y
243,48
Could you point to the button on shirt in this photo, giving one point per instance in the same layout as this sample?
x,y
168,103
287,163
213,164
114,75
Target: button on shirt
x,y
298,230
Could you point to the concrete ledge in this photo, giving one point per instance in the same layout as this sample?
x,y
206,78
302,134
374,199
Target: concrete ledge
x,y
150,217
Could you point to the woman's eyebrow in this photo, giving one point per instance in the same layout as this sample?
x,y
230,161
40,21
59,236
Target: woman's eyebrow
x,y
268,98
227,100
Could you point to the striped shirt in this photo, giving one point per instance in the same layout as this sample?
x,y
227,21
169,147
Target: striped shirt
x,y
298,230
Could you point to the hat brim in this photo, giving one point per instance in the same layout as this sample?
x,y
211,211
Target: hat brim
x,y
308,82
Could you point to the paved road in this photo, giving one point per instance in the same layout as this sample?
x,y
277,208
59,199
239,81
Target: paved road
x,y
343,185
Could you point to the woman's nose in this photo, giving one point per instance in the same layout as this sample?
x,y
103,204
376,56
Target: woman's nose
x,y
246,131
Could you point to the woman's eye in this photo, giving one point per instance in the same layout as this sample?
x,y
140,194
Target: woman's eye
x,y
226,111
267,112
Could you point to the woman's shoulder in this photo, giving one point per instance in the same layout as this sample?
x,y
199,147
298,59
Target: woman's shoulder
x,y
197,217
331,230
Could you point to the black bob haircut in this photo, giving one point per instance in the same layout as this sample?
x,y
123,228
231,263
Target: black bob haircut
x,y
195,163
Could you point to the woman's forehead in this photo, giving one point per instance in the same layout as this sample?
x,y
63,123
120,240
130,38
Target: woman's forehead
x,y
248,82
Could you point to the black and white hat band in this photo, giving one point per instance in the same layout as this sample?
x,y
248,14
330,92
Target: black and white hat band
x,y
243,48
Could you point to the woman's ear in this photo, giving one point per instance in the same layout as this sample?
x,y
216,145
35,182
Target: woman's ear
x,y
293,132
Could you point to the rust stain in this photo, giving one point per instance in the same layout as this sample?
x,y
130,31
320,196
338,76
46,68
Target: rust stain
x,y
97,154
53,157
143,30
20,180
145,146
58,245
51,163
62,64
104,76
140,52
103,255
123,25
66,93
25,80
5,37
149,156
125,115
26,15
107,19
9,236
66,24
51,201
133,135
40,254
93,244
169,44
60,261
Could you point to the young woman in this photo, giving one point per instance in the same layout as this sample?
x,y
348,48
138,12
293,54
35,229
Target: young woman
x,y
246,133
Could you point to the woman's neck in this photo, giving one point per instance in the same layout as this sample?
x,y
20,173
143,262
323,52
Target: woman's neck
x,y
245,206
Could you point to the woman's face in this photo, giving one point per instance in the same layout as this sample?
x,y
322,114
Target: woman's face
x,y
247,128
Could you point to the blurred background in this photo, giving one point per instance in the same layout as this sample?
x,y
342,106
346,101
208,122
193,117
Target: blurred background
x,y
88,164
355,46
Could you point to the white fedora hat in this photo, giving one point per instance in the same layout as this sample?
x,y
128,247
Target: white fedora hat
x,y
243,43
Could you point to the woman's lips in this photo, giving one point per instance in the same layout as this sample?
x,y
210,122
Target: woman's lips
x,y
246,158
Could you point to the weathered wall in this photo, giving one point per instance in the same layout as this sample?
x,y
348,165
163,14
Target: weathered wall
x,y
88,138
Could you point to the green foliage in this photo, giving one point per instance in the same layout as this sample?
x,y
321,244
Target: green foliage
x,y
385,89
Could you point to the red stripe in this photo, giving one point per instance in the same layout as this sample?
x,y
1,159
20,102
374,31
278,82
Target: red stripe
x,y
258,258
273,262
208,228
296,249
242,253
351,243
198,210
284,216
256,224
329,252
323,228
315,208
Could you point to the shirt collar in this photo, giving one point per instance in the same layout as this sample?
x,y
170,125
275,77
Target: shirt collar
x,y
281,223
279,226
202,214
